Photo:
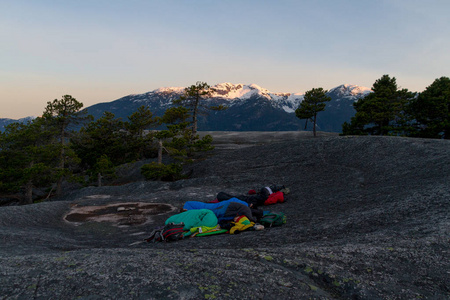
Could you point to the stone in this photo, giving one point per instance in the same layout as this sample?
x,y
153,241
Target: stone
x,y
367,218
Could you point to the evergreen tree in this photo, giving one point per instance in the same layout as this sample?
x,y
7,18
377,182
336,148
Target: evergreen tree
x,y
175,138
382,112
431,110
171,140
312,104
104,168
194,99
177,142
140,121
181,142
107,142
62,115
137,124
104,136
27,158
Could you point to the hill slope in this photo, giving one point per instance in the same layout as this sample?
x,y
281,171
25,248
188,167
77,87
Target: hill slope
x,y
368,218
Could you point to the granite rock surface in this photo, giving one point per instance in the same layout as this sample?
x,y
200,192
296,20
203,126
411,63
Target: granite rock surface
x,y
367,218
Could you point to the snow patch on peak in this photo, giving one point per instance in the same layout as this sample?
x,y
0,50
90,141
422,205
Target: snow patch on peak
x,y
235,92
232,91
165,90
228,85
256,87
295,96
349,90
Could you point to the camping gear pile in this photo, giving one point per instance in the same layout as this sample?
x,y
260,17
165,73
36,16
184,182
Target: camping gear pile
x,y
225,214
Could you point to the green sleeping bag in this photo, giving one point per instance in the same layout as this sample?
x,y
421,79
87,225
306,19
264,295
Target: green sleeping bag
x,y
194,218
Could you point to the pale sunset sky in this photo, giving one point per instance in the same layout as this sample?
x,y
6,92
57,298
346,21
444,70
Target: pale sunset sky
x,y
102,50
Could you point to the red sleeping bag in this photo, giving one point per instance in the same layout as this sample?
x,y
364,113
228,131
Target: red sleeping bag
x,y
277,197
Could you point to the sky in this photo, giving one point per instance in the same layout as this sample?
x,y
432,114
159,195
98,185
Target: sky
x,y
102,50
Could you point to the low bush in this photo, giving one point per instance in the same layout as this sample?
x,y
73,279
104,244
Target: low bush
x,y
155,171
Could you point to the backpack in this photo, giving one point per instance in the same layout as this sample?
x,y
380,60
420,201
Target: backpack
x,y
167,233
273,219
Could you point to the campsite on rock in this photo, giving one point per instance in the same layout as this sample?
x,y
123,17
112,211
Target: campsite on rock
x,y
366,217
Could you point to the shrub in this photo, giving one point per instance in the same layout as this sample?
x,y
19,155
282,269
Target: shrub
x,y
155,171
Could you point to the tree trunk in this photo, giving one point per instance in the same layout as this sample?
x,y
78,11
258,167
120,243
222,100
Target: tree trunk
x,y
160,149
447,133
314,125
62,162
28,197
59,186
99,179
194,120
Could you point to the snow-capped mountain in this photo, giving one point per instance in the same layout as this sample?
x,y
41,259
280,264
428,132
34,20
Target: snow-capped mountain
x,y
350,91
250,107
235,92
226,91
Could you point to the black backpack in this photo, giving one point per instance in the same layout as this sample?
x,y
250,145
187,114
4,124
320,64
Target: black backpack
x,y
168,233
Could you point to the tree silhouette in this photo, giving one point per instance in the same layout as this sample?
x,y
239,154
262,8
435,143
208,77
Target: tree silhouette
x,y
431,110
382,112
194,98
312,104
61,115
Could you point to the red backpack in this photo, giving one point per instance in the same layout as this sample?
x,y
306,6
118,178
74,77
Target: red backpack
x,y
168,233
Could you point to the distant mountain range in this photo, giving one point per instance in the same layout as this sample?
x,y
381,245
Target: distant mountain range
x,y
5,122
250,108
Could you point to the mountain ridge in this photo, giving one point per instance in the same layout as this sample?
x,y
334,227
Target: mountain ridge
x,y
250,107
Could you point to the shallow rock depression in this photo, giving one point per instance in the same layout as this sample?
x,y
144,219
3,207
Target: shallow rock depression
x,y
367,218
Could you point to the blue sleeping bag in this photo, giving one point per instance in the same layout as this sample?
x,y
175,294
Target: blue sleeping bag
x,y
219,209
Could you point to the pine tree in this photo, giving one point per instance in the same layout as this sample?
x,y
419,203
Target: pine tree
x,y
312,104
176,141
176,137
140,121
431,110
173,140
382,112
137,124
104,168
108,142
194,99
104,136
27,158
62,115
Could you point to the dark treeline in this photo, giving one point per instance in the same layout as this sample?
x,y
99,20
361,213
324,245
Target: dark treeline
x,y
66,144
389,110
393,111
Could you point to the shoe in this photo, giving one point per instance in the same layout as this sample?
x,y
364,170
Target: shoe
x,y
258,227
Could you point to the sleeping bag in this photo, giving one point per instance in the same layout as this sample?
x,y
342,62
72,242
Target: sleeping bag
x,y
194,218
277,197
224,210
